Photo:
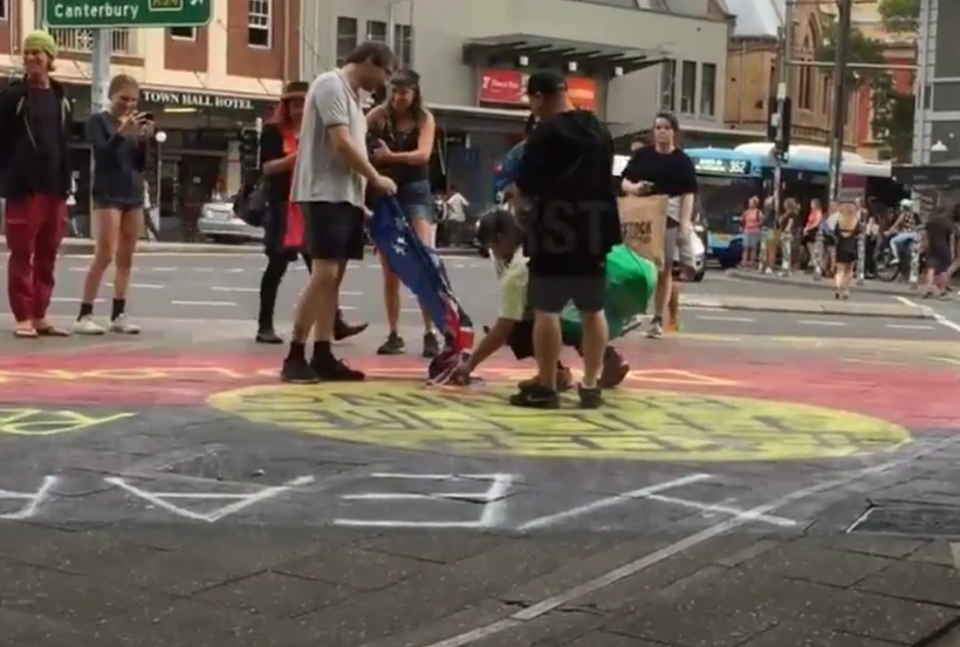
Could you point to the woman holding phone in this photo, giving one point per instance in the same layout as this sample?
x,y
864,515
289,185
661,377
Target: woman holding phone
x,y
120,139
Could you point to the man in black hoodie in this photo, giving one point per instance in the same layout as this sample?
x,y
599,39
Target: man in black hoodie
x,y
572,225
35,178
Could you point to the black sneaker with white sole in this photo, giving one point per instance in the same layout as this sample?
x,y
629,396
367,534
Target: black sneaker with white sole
x,y
536,397
590,398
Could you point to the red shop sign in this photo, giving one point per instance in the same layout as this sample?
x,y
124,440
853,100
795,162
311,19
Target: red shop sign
x,y
502,86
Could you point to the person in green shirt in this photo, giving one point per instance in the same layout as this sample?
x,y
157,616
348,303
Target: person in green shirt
x,y
501,234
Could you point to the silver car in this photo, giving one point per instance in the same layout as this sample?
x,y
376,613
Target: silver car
x,y
219,224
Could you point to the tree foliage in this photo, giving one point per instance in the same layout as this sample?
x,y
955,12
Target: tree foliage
x,y
900,16
893,113
892,122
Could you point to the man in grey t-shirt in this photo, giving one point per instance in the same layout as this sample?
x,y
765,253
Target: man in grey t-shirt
x,y
330,176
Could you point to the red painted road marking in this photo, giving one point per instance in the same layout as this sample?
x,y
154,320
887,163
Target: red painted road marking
x,y
911,396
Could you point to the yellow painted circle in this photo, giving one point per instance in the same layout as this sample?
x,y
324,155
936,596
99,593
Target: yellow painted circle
x,y
635,424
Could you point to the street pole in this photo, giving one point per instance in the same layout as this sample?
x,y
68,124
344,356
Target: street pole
x,y
392,26
99,90
785,34
845,10
38,17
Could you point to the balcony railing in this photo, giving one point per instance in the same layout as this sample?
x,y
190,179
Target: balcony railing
x,y
81,41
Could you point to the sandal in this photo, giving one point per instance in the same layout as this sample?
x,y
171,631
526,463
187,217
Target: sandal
x,y
25,333
49,330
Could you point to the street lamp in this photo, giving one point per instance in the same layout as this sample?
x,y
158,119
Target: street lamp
x,y
939,147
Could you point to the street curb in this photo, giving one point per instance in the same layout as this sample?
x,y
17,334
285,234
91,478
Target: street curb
x,y
811,284
86,247
920,312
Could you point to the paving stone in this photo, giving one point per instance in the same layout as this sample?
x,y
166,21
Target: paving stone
x,y
936,552
189,570
916,581
358,569
605,639
78,553
487,612
274,594
442,548
897,621
881,546
752,551
550,630
792,634
812,562
56,595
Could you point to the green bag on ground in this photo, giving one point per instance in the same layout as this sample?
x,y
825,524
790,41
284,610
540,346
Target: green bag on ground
x,y
631,281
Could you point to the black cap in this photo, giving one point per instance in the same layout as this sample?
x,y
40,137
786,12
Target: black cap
x,y
546,83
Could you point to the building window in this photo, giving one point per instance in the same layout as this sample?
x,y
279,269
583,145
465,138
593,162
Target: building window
x,y
347,36
403,44
826,89
258,23
183,33
668,85
377,31
4,10
688,88
708,90
81,40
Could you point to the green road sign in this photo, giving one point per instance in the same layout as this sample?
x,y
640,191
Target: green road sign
x,y
126,13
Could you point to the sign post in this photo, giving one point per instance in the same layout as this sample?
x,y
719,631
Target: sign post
x,y
111,14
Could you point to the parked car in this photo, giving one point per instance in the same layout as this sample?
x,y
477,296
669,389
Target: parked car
x,y
219,224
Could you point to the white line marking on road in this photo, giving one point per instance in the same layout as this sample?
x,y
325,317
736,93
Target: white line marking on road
x,y
409,496
235,270
203,269
819,322
939,318
217,304
626,497
72,300
495,511
143,286
435,477
34,500
232,289
689,542
909,327
782,522
159,269
351,294
731,319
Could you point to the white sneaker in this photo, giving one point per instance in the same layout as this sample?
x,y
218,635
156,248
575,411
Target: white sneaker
x,y
122,326
87,326
656,330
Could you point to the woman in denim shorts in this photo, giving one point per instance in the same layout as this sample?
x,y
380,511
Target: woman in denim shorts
x,y
403,133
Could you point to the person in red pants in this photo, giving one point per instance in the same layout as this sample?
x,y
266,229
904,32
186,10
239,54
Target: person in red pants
x,y
35,174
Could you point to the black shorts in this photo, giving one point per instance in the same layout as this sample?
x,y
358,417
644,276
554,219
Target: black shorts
x,y
333,230
552,293
520,340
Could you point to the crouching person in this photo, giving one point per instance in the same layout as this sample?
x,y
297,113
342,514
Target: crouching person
x,y
501,234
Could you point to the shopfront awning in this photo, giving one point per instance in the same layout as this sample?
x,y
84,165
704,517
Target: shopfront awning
x,y
942,174
583,52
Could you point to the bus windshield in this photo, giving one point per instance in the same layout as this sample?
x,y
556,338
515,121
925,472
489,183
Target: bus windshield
x,y
723,199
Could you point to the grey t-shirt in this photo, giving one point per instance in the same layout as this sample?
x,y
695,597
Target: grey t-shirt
x,y
319,175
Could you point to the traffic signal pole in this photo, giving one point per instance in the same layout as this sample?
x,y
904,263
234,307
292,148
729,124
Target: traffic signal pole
x,y
845,9
780,121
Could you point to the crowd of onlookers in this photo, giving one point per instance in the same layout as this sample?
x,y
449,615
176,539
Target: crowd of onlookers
x,y
796,238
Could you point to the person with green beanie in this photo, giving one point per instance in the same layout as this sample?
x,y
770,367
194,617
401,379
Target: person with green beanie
x,y
35,180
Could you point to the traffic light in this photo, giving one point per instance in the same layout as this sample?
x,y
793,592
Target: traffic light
x,y
249,140
779,124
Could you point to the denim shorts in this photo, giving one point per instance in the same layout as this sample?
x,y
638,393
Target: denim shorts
x,y
416,200
751,239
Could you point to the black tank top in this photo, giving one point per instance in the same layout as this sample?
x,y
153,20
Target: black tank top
x,y
402,142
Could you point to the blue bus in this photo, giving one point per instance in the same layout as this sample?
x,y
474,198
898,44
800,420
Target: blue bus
x,y
728,178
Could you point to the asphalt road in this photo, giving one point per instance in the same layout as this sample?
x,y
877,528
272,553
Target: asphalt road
x,y
226,288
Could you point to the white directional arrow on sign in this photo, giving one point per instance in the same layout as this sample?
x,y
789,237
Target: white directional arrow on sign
x,y
173,502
